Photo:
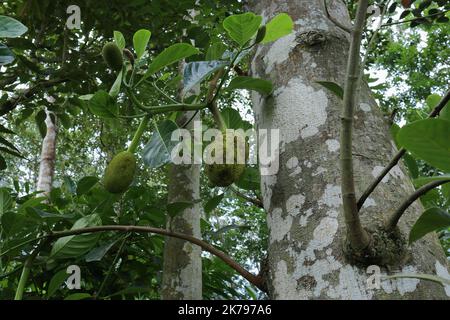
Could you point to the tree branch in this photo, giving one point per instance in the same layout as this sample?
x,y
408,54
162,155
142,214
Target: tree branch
x,y
332,19
395,217
357,236
255,280
12,103
255,201
414,19
399,155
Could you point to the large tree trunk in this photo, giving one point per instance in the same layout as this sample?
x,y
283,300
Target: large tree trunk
x,y
48,153
182,269
303,199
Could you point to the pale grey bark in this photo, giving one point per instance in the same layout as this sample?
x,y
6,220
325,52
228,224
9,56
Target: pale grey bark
x,y
47,161
303,200
182,268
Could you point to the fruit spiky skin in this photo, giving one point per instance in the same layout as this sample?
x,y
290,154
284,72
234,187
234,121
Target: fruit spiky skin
x,y
119,173
225,174
112,56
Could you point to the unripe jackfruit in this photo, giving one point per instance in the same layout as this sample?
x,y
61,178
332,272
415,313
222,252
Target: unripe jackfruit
x,y
225,174
119,173
112,56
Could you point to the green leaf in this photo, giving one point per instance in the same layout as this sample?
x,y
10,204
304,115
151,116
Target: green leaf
x,y
8,144
233,119
119,39
103,105
77,245
6,55
195,72
158,150
56,282
445,112
11,152
5,130
333,87
428,140
115,89
78,296
262,86
242,27
280,26
140,41
170,55
11,28
5,201
99,252
30,203
250,179
432,101
411,163
216,51
213,203
431,220
38,215
85,184
177,207
39,119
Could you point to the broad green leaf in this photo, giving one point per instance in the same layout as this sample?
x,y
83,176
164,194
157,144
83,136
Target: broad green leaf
x,y
11,152
119,39
3,129
140,41
86,97
411,163
77,245
103,105
5,201
56,282
262,86
431,220
280,26
428,140
177,207
171,55
233,119
8,144
85,184
445,112
38,215
11,28
158,150
78,296
216,51
395,128
99,252
6,55
242,27
250,179
115,89
30,203
333,87
195,72
213,203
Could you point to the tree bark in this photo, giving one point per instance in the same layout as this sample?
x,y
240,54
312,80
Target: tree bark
x,y
48,153
182,268
303,199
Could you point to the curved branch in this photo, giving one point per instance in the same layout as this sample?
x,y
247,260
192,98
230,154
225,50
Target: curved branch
x,y
255,280
393,220
332,19
399,155
357,236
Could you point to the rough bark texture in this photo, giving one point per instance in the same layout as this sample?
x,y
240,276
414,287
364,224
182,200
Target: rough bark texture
x,y
303,200
182,269
48,153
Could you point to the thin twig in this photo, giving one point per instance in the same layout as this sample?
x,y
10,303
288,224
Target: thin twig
x,y
255,201
414,19
399,155
357,236
395,217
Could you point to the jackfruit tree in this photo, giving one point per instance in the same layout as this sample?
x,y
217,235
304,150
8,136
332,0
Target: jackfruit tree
x,y
225,150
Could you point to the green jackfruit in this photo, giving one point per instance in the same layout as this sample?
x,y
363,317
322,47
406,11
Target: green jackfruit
x,y
225,174
112,56
119,173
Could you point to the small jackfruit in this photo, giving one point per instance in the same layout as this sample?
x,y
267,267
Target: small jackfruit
x,y
119,173
112,56
225,174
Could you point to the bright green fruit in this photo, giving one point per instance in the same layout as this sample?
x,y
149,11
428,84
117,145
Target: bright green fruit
x,y
119,173
112,56
225,174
